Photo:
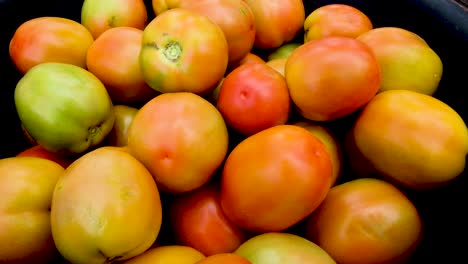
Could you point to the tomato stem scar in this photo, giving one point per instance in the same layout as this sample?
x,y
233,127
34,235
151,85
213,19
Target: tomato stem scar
x,y
172,51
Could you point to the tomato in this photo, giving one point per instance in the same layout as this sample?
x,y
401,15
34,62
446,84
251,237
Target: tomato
x,y
113,58
101,15
26,185
197,220
176,45
247,59
181,138
336,20
412,139
280,248
124,116
63,107
40,152
366,221
225,258
276,21
406,60
332,77
278,65
283,51
49,39
275,178
118,218
254,97
174,254
234,17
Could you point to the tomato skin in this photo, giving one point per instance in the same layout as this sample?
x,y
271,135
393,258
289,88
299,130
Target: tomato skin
x,y
99,16
366,221
275,178
49,39
278,64
254,97
168,254
247,59
276,21
225,258
175,45
40,152
332,77
70,121
124,116
113,58
198,221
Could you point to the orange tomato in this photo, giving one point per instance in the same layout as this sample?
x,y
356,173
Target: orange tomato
x,y
197,220
113,58
275,178
332,77
365,221
177,46
247,59
49,39
173,254
254,97
40,152
224,258
278,64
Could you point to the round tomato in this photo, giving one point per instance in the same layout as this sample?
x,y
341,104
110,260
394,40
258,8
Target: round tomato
x,y
332,77
276,21
197,221
254,97
275,178
178,45
365,221
49,39
113,58
102,15
174,254
247,59
65,108
124,116
40,152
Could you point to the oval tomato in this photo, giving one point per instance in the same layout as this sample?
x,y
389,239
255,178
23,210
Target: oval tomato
x,y
254,97
177,46
365,221
283,51
65,108
332,77
101,15
197,220
40,152
113,58
276,21
49,39
275,178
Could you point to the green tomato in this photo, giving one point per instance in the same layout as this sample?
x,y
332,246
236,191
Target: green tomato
x,y
63,107
283,51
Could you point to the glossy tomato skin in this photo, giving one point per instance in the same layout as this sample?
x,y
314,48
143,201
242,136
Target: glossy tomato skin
x,y
332,77
49,39
275,178
40,152
113,58
366,221
176,45
254,97
198,221
225,258
124,116
276,21
102,15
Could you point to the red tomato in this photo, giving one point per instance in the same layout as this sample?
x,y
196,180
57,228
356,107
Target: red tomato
x,y
225,258
40,152
276,21
183,51
332,77
365,221
49,39
254,97
275,178
198,221
113,58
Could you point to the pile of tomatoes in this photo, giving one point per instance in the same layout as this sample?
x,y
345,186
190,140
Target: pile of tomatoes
x,y
217,132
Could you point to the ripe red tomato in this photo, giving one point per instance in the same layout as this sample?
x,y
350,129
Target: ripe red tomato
x,y
183,51
275,178
276,21
49,39
254,97
197,220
